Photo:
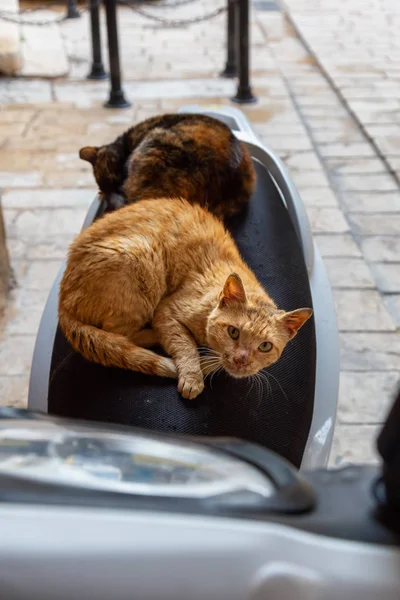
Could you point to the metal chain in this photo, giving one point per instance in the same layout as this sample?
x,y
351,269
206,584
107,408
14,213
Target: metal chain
x,y
13,17
5,17
166,4
176,22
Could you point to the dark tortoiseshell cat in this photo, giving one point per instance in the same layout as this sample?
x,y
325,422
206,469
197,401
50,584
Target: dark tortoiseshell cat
x,y
190,156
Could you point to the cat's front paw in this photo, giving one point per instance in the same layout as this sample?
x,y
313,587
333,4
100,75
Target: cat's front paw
x,y
191,385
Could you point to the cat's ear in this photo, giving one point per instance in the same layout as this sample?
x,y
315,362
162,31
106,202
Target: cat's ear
x,y
233,291
89,153
295,319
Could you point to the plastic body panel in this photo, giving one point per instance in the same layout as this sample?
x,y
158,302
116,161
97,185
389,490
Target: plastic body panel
x,y
50,552
327,372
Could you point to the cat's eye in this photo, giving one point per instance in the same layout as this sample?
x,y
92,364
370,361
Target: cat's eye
x,y
233,332
265,347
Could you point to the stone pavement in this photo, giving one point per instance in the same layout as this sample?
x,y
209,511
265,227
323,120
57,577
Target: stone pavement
x,y
354,47
341,178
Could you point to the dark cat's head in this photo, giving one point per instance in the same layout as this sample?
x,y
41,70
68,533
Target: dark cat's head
x,y
108,166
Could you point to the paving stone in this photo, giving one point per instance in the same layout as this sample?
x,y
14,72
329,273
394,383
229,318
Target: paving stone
x,y
310,179
16,115
367,351
369,183
361,310
375,224
387,276
16,354
21,91
384,129
39,275
56,125
332,136
49,249
16,249
334,245
323,111
352,149
327,220
354,444
54,198
334,123
37,61
69,144
392,303
95,92
326,99
394,162
10,130
25,309
378,116
349,273
352,165
365,108
381,249
388,145
14,391
318,197
366,397
372,202
272,130
306,161
79,179
44,223
27,179
287,143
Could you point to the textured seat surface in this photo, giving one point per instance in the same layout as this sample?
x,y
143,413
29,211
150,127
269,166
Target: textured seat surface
x,y
277,416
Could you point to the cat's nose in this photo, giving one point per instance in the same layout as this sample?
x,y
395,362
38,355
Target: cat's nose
x,y
241,358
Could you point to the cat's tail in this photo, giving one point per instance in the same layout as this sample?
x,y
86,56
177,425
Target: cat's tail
x,y
112,349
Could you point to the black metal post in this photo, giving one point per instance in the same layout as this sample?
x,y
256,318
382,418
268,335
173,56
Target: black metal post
x,y
97,71
244,95
231,48
72,11
117,98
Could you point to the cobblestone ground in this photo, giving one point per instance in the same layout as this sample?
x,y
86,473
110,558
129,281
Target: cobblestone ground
x,y
350,195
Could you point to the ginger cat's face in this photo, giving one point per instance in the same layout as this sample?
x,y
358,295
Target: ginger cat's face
x,y
246,334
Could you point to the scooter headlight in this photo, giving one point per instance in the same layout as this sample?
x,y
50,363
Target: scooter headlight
x,y
129,463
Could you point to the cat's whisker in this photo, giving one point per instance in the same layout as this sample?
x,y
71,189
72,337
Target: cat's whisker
x,y
261,378
281,388
220,368
209,351
210,369
251,378
265,379
208,359
209,364
259,389
210,356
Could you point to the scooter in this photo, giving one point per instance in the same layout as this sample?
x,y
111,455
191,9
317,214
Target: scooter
x,y
98,512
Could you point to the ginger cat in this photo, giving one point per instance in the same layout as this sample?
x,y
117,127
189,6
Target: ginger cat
x,y
188,156
170,265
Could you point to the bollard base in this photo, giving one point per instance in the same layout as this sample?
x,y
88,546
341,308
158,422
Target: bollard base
x,y
230,71
117,100
245,96
73,13
97,72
